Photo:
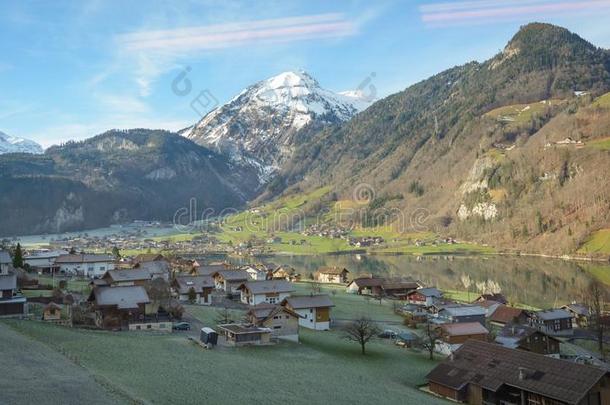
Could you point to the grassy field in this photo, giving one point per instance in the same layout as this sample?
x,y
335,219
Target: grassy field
x,y
35,373
602,101
601,144
323,368
599,271
598,242
520,114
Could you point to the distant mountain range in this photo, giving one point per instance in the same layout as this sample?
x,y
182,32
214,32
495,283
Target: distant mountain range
x,y
261,124
13,144
511,151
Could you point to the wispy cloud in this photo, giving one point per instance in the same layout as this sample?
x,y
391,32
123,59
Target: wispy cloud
x,y
222,36
492,11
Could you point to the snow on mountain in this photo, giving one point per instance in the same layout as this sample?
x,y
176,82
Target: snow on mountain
x,y
258,126
13,144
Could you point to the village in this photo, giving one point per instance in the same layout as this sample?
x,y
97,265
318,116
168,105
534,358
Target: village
x,y
485,350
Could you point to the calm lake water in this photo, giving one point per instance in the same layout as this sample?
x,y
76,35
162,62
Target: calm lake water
x,y
539,282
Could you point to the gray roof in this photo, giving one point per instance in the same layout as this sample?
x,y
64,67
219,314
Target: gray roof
x,y
8,281
48,254
5,257
128,274
429,292
122,297
465,310
309,301
185,283
86,258
552,314
268,286
209,269
234,275
580,309
156,267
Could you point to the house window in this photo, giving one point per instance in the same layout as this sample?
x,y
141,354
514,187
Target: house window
x,y
276,317
311,310
557,324
272,300
277,327
148,326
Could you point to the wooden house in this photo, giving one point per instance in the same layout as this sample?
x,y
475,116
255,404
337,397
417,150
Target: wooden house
x,y
425,296
499,298
244,335
229,280
286,273
554,322
334,274
458,333
51,312
256,272
314,310
527,338
482,373
265,291
125,277
283,322
462,314
580,314
201,286
504,315
116,307
363,285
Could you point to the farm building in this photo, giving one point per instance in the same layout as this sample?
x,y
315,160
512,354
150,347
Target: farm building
x,y
313,309
202,287
244,335
283,322
265,291
458,333
332,274
462,314
483,373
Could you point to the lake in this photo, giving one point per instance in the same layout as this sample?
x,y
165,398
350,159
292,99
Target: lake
x,y
536,281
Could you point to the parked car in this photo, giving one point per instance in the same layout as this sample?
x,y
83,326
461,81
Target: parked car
x,y
388,334
181,326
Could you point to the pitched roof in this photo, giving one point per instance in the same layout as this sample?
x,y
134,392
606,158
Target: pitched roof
x,y
512,335
268,286
264,311
428,292
148,257
185,283
121,297
552,314
464,328
580,309
84,258
492,366
158,267
493,297
209,269
5,257
128,275
505,314
309,301
232,275
465,310
366,282
397,283
332,270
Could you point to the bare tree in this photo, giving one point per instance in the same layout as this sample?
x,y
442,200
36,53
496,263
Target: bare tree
x,y
466,282
362,331
596,298
431,336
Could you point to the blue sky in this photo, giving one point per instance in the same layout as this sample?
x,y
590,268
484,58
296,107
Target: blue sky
x,y
73,69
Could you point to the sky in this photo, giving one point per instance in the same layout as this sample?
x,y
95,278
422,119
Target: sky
x,y
73,69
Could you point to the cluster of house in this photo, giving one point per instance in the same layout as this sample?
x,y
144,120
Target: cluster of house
x,y
11,302
326,231
273,311
365,241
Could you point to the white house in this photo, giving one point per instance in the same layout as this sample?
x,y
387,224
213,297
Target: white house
x,y
88,265
256,272
314,310
44,261
265,291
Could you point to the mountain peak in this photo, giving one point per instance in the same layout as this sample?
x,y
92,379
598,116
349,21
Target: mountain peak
x,y
13,144
291,79
538,36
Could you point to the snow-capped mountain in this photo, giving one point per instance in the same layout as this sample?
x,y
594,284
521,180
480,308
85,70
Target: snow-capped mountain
x,y
259,125
13,144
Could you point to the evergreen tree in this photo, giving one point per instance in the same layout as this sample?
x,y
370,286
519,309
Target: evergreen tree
x,y
18,257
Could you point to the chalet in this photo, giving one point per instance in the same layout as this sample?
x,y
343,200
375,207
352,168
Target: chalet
x,y
499,298
363,285
125,277
425,296
483,373
229,280
244,335
314,310
527,338
504,315
51,312
395,288
265,291
580,314
117,306
462,314
332,274
256,272
202,286
554,322
210,269
88,265
156,268
44,261
11,302
283,322
458,333
285,273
